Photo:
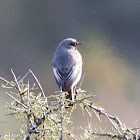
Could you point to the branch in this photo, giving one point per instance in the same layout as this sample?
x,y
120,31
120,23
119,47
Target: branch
x,y
110,135
40,87
72,136
27,136
101,112
7,82
61,114
41,120
17,100
82,80
23,77
16,108
115,119
17,84
38,123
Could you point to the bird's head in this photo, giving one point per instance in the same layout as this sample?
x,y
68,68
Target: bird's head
x,y
70,43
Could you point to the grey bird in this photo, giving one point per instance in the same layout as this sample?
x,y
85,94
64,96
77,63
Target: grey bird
x,y
67,66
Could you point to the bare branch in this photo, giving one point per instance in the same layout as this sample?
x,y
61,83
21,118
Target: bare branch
x,y
101,112
135,128
133,133
28,114
61,113
16,100
40,87
72,136
19,89
16,108
82,80
23,77
110,135
7,82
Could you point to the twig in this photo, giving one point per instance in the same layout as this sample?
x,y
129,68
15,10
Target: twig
x,y
17,100
110,118
27,136
18,86
19,89
72,136
16,108
135,128
38,123
40,87
114,125
41,120
81,100
110,135
61,113
82,80
7,82
101,112
134,135
23,77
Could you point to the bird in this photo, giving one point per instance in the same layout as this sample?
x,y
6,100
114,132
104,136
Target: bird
x,y
67,66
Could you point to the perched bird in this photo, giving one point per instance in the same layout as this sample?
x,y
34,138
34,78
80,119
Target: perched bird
x,y
67,66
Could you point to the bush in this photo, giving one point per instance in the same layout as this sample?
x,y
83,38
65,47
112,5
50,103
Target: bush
x,y
50,117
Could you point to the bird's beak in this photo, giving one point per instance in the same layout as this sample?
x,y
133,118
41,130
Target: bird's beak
x,y
79,43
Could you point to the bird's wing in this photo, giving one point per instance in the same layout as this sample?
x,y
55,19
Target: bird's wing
x,y
62,74
67,74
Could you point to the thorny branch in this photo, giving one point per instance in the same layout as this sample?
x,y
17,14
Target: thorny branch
x,y
115,119
101,112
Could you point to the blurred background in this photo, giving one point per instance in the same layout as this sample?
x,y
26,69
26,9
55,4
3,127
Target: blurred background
x,y
31,30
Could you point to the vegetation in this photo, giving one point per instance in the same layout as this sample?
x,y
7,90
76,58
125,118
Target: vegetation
x,y
50,117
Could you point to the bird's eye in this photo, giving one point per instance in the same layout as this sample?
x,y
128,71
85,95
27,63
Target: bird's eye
x,y
73,43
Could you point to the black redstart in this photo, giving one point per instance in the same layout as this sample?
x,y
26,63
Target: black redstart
x,y
67,66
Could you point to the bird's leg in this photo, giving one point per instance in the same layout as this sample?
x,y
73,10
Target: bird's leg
x,y
72,93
